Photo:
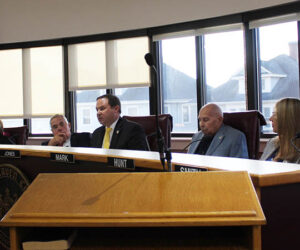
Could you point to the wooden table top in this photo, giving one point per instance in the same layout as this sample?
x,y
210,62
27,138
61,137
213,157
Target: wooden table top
x,y
138,199
263,173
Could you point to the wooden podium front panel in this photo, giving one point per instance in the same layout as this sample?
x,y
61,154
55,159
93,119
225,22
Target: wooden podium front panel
x,y
138,199
214,210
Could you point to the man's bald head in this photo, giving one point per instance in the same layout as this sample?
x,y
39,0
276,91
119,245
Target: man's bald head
x,y
210,119
213,109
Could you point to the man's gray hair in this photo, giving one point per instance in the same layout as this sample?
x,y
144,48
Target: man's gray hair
x,y
58,116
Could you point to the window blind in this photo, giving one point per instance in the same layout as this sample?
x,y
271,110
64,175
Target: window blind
x,y
219,28
172,35
109,64
31,82
274,20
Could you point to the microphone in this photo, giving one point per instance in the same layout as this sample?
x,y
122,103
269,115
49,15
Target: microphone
x,y
297,136
150,61
160,140
190,145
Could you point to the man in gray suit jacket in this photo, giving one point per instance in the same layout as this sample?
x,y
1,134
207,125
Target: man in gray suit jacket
x,y
216,138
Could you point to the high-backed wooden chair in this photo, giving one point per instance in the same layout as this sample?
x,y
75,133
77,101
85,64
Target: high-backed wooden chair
x,y
165,122
17,134
249,122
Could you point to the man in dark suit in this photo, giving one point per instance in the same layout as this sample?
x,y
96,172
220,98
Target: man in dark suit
x,y
4,139
116,132
62,136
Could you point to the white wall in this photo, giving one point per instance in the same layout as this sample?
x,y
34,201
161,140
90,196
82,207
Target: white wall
x,y
30,20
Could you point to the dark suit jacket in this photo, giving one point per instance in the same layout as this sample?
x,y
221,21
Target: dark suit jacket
x,y
127,135
77,140
5,140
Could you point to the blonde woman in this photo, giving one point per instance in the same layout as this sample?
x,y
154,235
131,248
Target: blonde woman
x,y
286,123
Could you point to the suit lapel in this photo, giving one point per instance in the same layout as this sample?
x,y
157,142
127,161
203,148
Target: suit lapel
x,y
72,141
198,139
101,136
115,136
218,138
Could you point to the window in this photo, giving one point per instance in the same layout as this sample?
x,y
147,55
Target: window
x,y
267,114
166,109
45,86
186,116
264,87
179,82
132,110
44,81
225,74
87,65
86,114
8,123
41,126
278,60
11,79
33,86
109,64
134,101
31,77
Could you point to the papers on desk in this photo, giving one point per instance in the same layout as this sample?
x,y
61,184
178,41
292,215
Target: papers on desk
x,y
50,239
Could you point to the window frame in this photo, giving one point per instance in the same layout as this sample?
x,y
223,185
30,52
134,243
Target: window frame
x,y
251,48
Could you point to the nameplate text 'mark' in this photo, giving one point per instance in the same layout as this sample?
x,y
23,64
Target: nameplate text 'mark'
x,y
121,163
10,153
66,158
180,168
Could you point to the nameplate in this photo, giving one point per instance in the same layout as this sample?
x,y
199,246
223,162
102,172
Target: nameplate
x,y
180,168
121,163
10,153
66,158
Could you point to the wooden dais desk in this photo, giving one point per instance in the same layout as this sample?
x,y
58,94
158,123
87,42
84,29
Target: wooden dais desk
x,y
143,210
277,184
